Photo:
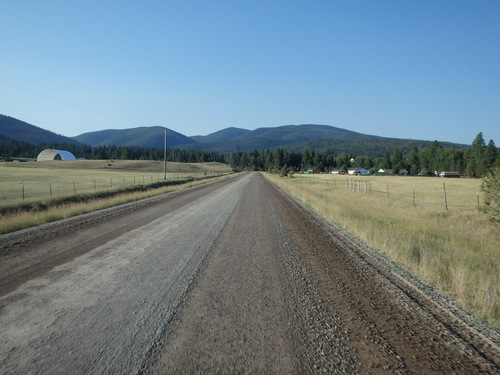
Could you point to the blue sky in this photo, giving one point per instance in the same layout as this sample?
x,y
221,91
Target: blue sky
x,y
405,69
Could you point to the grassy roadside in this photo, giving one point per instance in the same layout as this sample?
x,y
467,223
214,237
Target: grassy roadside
x,y
19,214
21,182
61,208
456,250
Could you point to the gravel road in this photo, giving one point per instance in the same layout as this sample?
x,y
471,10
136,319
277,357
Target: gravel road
x,y
228,277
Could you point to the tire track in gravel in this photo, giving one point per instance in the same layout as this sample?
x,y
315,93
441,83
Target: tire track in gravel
x,y
233,321
35,251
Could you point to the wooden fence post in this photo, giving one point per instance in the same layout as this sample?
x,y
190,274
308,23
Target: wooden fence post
x,y
445,200
478,207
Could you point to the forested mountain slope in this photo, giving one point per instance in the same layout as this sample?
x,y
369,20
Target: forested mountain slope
x,y
17,130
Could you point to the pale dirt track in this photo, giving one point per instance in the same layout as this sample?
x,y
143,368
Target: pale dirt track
x,y
229,277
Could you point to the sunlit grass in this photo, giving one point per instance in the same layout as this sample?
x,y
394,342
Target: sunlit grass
x,y
457,250
37,180
58,190
19,220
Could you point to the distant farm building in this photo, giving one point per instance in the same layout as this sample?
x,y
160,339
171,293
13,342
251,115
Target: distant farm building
x,y
358,171
450,174
50,154
388,171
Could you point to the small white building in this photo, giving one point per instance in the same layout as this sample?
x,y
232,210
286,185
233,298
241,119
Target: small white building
x,y
338,171
381,170
51,154
358,171
450,174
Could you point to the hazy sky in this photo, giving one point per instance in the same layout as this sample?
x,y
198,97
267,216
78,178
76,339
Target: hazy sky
x,y
403,68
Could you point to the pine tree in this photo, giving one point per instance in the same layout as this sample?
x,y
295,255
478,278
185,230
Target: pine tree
x,y
412,161
397,161
491,188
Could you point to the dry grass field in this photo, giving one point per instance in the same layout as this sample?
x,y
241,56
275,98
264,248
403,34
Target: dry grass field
x,y
36,180
455,249
35,193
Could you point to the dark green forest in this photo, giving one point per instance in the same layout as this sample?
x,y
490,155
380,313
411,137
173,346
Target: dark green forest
x,y
472,161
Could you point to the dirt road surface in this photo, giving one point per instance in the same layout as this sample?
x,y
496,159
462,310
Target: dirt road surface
x,y
228,277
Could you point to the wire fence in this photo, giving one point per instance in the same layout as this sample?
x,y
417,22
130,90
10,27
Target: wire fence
x,y
432,192
13,191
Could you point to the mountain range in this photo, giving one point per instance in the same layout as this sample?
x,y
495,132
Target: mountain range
x,y
12,129
153,136
323,138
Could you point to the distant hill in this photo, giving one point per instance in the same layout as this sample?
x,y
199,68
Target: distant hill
x,y
300,133
12,129
370,147
223,141
322,138
221,135
272,137
153,136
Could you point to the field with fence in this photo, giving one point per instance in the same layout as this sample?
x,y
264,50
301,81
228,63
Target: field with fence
x,y
40,192
429,225
38,180
457,194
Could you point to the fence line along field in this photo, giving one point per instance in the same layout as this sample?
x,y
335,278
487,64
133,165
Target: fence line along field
x,y
424,192
37,180
456,249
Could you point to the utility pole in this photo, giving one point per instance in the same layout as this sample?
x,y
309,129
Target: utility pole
x,y
165,157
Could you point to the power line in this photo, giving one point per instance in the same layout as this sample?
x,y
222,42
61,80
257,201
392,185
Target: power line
x,y
68,103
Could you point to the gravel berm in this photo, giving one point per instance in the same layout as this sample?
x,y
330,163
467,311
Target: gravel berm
x,y
233,277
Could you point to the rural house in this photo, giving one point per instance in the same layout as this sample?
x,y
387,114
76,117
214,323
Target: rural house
x,y
337,171
450,174
358,171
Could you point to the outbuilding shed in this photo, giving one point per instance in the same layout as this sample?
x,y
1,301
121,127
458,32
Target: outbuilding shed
x,y
358,171
450,174
51,154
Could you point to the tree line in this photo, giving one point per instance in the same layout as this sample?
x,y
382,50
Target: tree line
x,y
17,149
473,161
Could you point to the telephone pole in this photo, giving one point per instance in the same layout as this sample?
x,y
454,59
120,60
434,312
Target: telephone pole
x,y
165,157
